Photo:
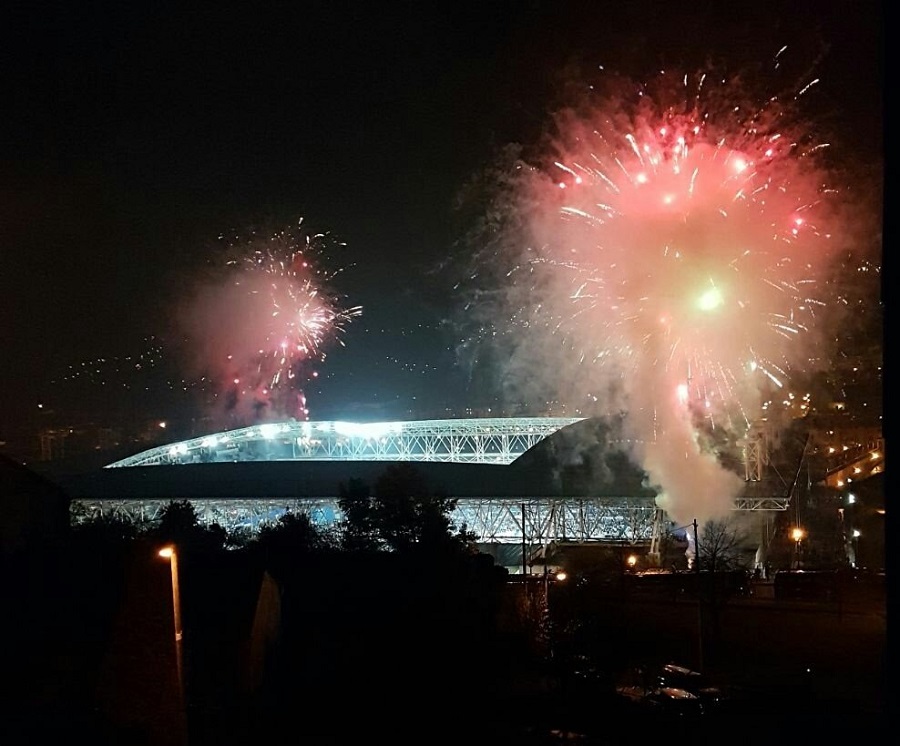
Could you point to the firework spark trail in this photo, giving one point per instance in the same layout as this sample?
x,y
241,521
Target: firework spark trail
x,y
677,241
265,325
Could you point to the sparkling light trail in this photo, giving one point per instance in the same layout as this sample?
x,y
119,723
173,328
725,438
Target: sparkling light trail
x,y
263,328
668,258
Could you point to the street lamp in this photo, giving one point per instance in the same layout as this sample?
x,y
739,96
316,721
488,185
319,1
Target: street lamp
x,y
169,553
632,561
797,535
559,575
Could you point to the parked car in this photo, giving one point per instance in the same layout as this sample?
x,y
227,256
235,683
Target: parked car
x,y
674,689
664,702
680,677
671,701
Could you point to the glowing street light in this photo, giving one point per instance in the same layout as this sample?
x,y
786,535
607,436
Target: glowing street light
x,y
797,534
632,561
558,576
169,553
855,534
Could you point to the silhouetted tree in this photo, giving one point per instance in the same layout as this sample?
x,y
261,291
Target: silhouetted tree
x,y
358,528
104,529
402,515
721,555
721,546
178,521
239,538
292,537
179,524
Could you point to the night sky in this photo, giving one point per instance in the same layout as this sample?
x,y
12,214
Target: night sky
x,y
134,134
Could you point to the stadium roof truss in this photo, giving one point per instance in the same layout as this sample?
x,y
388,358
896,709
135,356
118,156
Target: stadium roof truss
x,y
472,441
466,441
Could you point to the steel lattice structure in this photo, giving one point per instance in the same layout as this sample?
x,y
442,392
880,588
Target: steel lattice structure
x,y
493,519
466,441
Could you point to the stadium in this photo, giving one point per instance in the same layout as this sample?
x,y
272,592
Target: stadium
x,y
514,479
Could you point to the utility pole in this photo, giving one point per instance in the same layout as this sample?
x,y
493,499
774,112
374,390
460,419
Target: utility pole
x,y
524,551
699,597
653,556
696,548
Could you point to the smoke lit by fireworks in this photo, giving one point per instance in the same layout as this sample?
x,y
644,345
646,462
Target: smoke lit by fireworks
x,y
264,327
671,242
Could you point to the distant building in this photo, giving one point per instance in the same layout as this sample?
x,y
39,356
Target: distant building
x,y
862,518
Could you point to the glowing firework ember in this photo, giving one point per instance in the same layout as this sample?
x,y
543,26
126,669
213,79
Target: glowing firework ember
x,y
676,242
273,318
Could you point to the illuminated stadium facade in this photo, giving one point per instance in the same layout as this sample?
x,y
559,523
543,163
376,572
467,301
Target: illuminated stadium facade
x,y
244,478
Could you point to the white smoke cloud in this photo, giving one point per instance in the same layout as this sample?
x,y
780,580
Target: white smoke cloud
x,y
664,258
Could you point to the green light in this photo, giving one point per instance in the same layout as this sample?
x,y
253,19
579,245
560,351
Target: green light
x,y
710,300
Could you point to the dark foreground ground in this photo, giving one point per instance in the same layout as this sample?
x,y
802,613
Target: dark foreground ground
x,y
396,666
787,671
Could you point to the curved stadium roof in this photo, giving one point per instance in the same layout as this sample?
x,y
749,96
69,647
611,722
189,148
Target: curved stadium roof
x,y
577,480
511,476
464,441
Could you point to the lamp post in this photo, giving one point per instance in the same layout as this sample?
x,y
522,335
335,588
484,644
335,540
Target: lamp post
x,y
693,565
558,576
844,542
169,553
797,535
699,594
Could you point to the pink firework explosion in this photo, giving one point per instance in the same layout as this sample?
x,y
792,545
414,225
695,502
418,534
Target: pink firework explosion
x,y
668,259
262,330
